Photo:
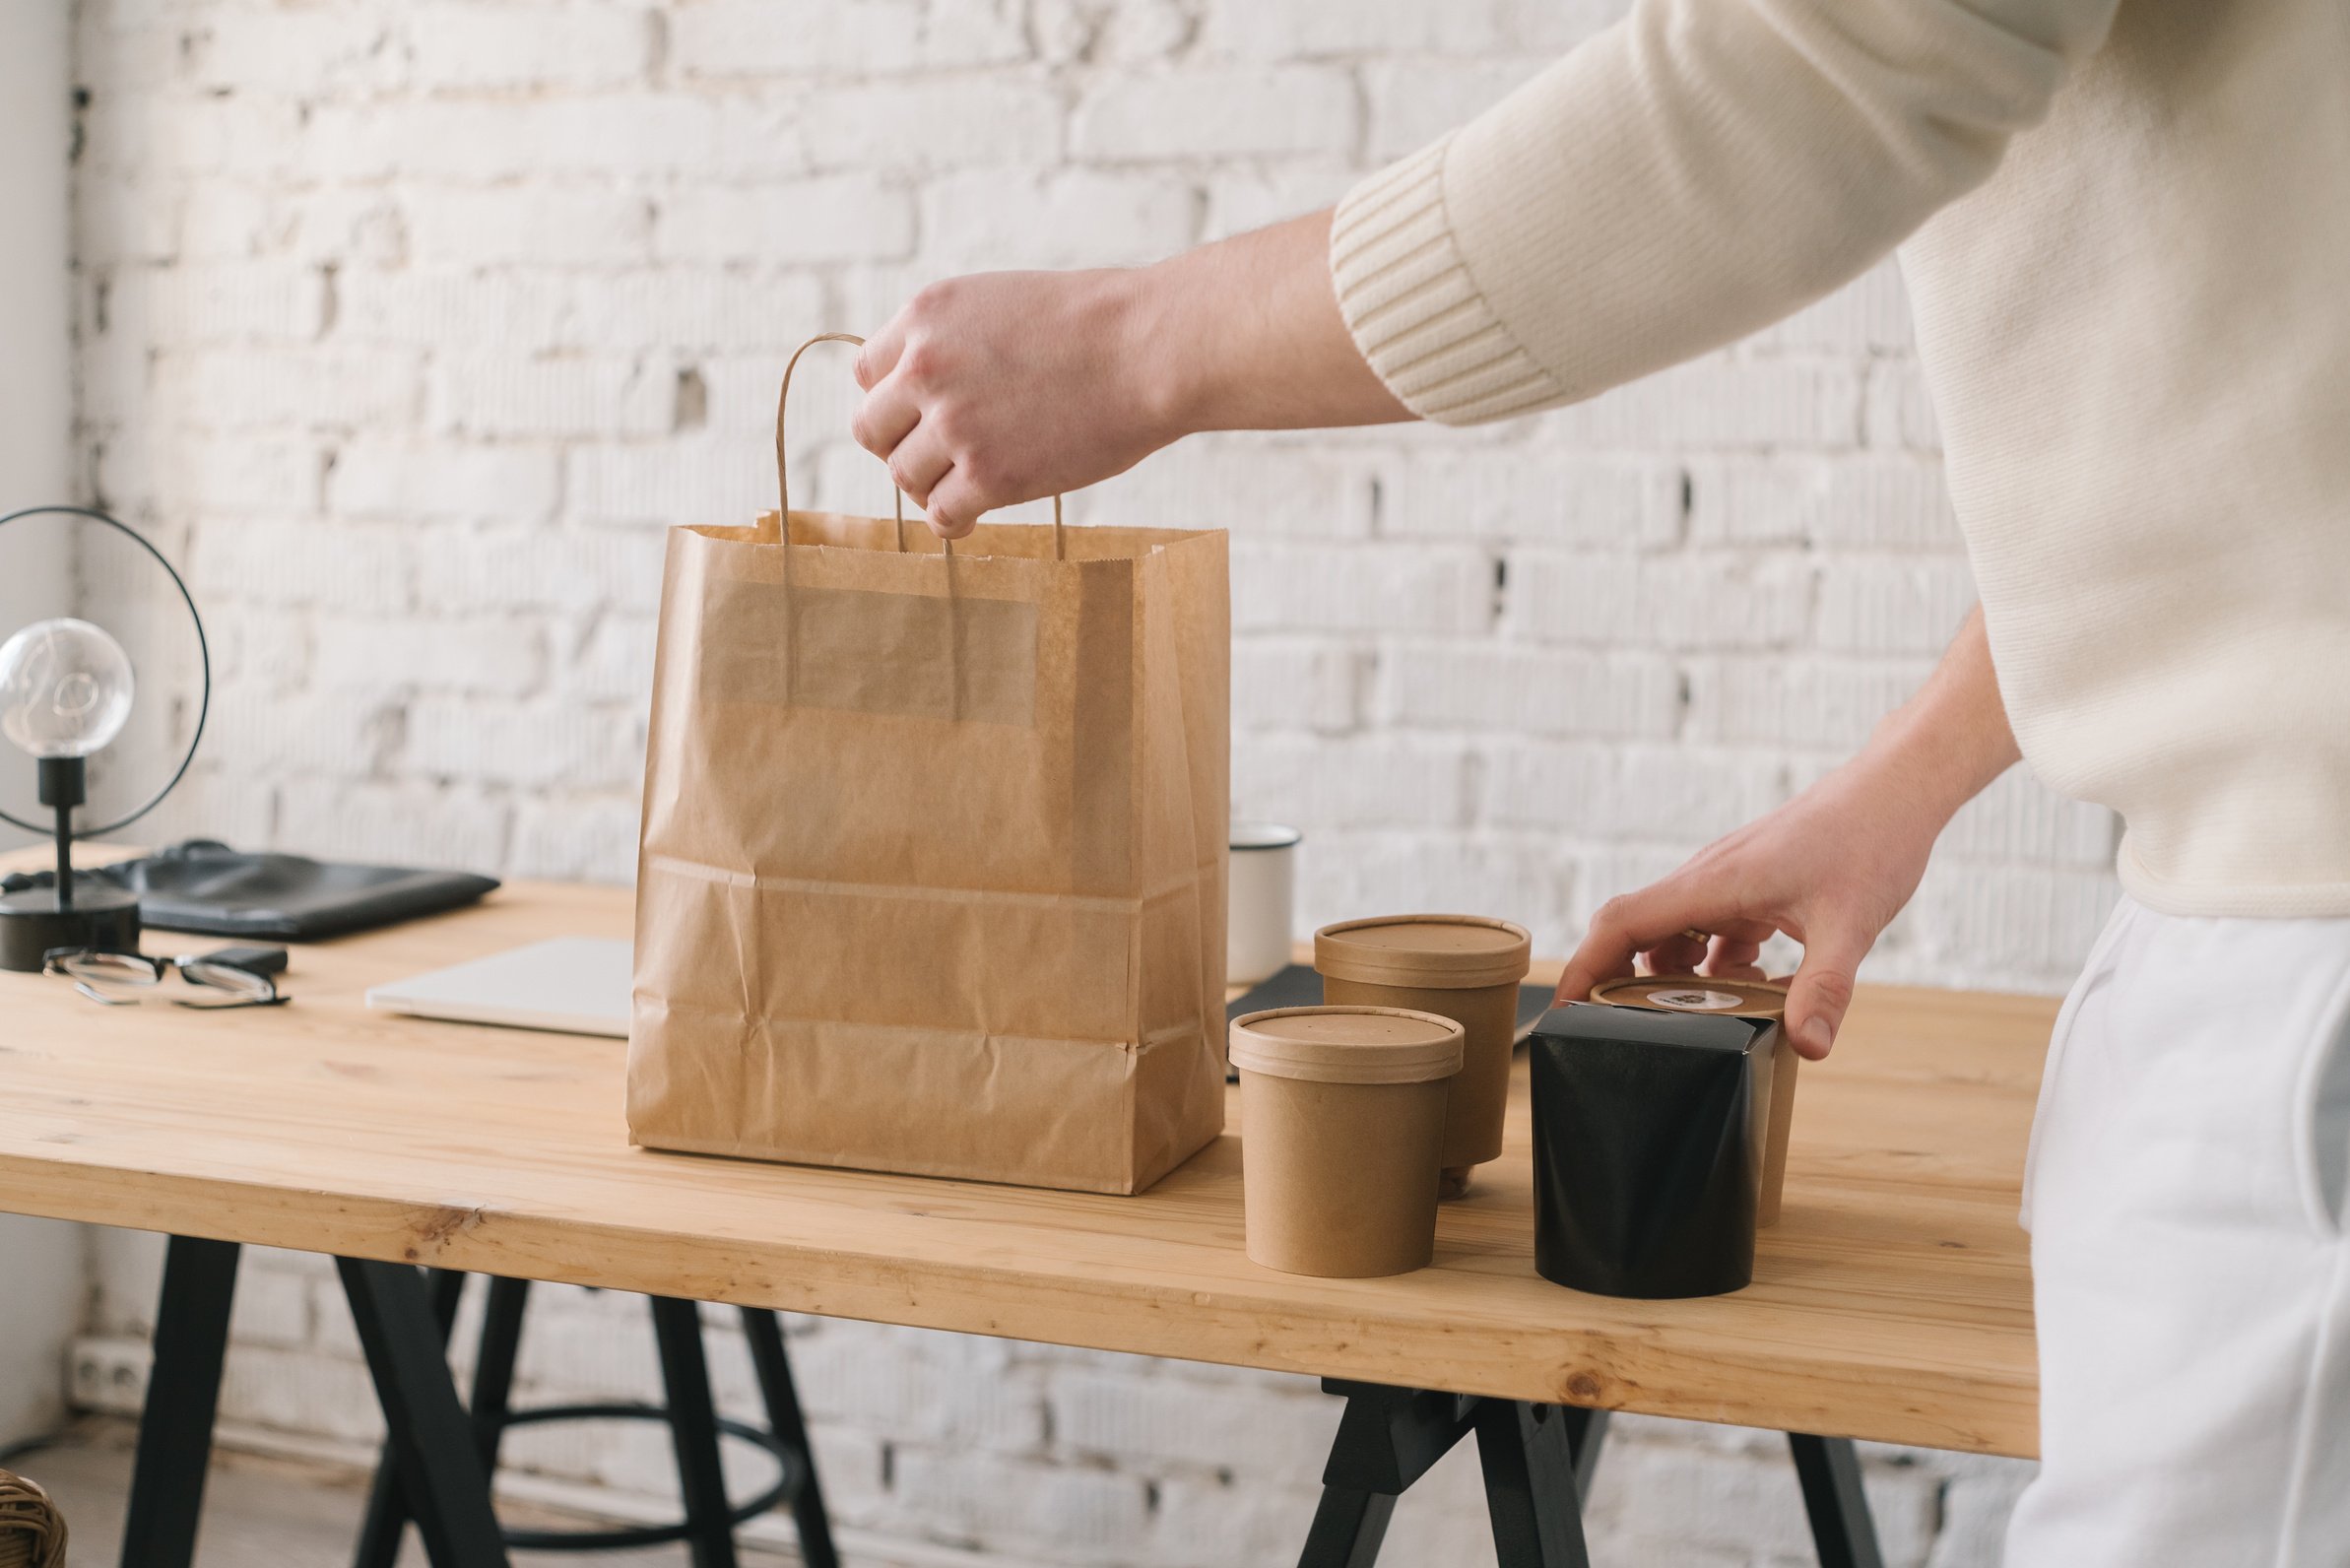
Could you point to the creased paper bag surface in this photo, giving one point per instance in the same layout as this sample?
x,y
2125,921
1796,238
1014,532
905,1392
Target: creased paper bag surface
x,y
932,872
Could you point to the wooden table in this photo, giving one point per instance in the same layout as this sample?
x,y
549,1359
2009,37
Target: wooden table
x,y
1891,1303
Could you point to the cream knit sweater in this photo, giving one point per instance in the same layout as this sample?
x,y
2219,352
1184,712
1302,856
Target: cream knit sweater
x,y
2127,245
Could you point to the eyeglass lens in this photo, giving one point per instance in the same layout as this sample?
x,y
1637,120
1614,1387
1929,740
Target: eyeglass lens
x,y
118,978
230,980
113,968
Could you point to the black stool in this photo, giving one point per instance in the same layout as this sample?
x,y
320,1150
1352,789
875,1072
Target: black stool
x,y
689,1412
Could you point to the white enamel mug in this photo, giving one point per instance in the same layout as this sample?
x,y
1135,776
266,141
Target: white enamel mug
x,y
1262,899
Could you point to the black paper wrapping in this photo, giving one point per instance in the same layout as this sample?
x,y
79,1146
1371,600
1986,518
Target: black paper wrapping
x,y
1648,1149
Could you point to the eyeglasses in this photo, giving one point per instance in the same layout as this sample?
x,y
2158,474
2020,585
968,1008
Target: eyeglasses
x,y
126,979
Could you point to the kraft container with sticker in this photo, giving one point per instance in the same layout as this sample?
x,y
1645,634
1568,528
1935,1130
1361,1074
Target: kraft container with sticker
x,y
1651,1131
1463,967
1763,1002
1342,1121
932,856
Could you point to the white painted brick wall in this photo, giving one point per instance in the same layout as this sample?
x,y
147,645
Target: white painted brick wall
x,y
411,327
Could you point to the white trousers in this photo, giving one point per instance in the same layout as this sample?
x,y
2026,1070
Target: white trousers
x,y
2191,1272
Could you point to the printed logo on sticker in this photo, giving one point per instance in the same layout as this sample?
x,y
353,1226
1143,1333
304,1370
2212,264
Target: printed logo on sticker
x,y
1695,1000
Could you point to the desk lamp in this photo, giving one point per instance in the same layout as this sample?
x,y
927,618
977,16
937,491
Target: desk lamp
x,y
65,691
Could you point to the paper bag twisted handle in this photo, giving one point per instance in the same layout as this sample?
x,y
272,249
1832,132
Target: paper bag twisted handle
x,y
783,483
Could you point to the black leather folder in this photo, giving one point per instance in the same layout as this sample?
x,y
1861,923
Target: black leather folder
x,y
205,886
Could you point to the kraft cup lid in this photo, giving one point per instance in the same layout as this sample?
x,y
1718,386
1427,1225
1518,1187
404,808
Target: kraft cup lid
x,y
1446,952
1692,993
1347,1045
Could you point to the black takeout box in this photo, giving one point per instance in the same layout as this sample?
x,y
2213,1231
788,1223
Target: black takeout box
x,y
1649,1136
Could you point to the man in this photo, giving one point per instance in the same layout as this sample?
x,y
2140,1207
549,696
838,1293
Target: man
x,y
2126,231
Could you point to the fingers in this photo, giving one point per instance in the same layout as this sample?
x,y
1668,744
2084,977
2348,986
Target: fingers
x,y
1752,932
1822,989
1729,954
1624,926
921,462
954,505
879,355
1734,959
1604,954
892,423
918,463
883,419
1640,922
1679,954
1590,965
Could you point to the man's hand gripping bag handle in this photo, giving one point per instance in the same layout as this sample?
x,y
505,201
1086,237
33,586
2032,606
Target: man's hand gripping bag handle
x,y
781,534
783,483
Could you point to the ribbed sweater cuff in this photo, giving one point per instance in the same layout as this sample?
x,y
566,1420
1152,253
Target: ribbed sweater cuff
x,y
1417,314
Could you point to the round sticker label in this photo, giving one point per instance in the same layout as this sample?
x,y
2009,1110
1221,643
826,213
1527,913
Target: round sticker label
x,y
1695,1000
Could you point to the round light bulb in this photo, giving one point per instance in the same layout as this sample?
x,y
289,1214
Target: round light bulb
x,y
65,688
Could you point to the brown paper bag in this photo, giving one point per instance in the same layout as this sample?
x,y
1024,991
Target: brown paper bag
x,y
932,872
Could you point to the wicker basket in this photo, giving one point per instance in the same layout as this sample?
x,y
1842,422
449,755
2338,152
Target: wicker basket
x,y
32,1530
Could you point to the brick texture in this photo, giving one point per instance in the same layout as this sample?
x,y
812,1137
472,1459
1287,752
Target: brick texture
x,y
410,327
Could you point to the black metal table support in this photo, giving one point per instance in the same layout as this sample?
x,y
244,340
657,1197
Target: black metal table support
x,y
1530,1494
1350,1525
1536,1461
693,1427
183,1391
1586,1431
494,1364
1539,1461
689,1412
441,1476
781,1395
387,1506
1841,1525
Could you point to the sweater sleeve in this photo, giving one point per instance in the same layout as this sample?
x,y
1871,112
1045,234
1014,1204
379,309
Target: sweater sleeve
x,y
1693,173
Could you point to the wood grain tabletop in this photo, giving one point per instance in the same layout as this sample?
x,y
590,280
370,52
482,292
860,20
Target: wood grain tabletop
x,y
1892,1302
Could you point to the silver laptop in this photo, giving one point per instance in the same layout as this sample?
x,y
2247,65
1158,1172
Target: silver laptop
x,y
572,985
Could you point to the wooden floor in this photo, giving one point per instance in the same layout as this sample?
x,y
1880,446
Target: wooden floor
x,y
266,1513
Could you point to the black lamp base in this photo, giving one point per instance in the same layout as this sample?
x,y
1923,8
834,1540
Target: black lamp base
x,y
30,923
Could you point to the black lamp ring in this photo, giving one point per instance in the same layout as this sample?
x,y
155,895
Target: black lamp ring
x,y
203,654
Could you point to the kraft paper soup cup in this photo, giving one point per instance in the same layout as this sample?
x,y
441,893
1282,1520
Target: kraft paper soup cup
x,y
1341,1119
1463,967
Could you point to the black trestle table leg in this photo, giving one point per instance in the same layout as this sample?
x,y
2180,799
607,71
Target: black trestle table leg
x,y
1349,1524
1586,1435
1841,1525
1531,1493
694,1425
764,1330
183,1394
494,1364
386,1518
441,1477
1537,1460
